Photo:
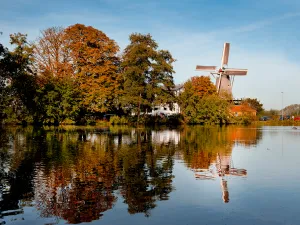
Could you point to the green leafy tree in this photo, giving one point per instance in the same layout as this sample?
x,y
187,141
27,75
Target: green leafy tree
x,y
4,91
18,83
207,110
200,104
255,104
147,73
59,101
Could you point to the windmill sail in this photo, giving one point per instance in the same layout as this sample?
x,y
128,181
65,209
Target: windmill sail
x,y
236,72
206,68
225,55
224,75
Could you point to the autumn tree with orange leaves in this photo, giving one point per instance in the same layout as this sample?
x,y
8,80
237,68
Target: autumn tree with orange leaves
x,y
96,66
59,93
78,72
52,57
203,86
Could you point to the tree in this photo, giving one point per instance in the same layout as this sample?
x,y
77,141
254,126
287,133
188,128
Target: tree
x,y
58,91
197,87
147,73
293,109
207,110
203,86
20,83
59,101
255,104
52,58
199,102
3,87
273,112
96,66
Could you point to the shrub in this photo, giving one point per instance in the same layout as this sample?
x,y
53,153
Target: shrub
x,y
118,120
123,120
68,121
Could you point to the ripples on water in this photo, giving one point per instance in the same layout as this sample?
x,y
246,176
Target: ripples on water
x,y
119,175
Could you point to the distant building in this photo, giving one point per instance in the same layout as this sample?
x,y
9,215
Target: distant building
x,y
244,109
166,109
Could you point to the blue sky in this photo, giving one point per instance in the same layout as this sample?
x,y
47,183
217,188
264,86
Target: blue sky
x,y
264,35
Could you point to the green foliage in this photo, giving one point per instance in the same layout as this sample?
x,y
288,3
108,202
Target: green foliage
x,y
255,104
17,81
172,120
58,100
244,119
200,104
207,110
68,121
272,113
147,73
118,120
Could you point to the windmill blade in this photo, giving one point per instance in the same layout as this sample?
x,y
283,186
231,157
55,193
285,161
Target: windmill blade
x,y
236,72
218,83
225,55
206,68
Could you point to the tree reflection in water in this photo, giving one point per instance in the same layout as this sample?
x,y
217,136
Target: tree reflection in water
x,y
147,174
77,174
209,152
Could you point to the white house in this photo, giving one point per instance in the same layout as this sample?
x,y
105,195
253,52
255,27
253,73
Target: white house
x,y
165,109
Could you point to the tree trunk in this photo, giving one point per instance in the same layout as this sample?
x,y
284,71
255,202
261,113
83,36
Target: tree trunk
x,y
139,109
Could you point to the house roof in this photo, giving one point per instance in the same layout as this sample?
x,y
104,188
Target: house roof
x,y
177,87
241,108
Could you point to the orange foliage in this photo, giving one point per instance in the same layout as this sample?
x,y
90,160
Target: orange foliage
x,y
96,66
84,55
203,86
52,59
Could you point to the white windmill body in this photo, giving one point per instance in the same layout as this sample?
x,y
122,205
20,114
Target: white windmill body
x,y
224,75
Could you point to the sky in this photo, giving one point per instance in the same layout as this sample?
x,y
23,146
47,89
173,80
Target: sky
x,y
264,35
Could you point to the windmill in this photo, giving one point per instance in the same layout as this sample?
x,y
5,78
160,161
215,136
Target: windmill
x,y
224,76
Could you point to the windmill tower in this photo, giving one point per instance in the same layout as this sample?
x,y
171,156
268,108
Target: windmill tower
x,y
224,76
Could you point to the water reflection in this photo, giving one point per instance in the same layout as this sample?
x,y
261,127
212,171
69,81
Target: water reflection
x,y
208,152
77,174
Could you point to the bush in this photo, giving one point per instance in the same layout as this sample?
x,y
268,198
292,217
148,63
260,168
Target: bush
x,y
123,120
118,120
244,119
68,121
91,122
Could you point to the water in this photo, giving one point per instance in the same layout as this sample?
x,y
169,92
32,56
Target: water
x,y
120,175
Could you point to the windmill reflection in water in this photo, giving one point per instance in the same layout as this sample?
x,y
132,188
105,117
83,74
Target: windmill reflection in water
x,y
223,167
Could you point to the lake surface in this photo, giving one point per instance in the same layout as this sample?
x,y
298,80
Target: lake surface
x,y
120,175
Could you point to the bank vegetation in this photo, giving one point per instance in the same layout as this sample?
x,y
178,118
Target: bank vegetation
x,y
77,75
